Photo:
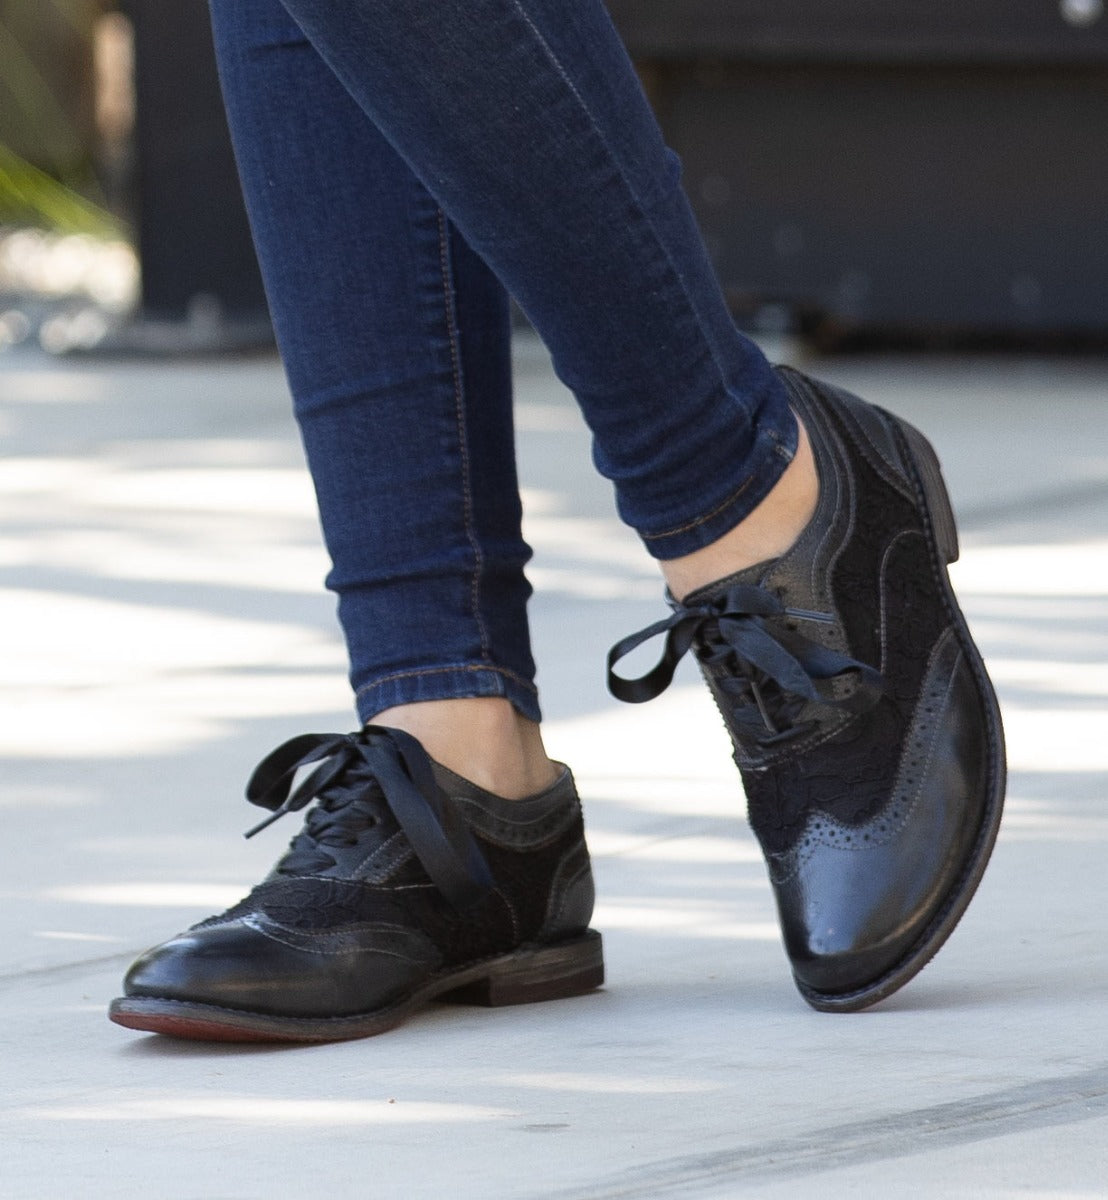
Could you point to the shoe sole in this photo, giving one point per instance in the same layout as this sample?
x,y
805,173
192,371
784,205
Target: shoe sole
x,y
527,975
934,501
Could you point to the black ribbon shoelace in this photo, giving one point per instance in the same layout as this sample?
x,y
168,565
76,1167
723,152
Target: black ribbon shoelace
x,y
770,676
353,774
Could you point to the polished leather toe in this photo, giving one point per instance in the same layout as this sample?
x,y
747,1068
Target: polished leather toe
x,y
863,721
259,966
854,900
405,884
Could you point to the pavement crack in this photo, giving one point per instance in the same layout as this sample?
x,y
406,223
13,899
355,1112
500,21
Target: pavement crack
x,y
13,979
1063,1100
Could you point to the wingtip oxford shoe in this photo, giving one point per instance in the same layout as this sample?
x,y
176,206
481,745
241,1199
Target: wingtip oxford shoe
x,y
863,722
406,884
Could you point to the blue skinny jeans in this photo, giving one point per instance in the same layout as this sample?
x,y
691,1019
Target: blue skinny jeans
x,y
407,164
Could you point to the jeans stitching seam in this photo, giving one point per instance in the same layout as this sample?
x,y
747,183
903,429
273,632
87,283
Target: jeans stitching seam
x,y
721,507
650,537
463,440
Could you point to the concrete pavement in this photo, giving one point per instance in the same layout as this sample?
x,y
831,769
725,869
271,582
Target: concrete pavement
x,y
162,627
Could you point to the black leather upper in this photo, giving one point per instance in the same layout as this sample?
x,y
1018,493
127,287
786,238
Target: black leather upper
x,y
862,721
869,818
351,921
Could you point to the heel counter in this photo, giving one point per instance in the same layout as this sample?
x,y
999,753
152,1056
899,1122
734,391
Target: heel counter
x,y
572,896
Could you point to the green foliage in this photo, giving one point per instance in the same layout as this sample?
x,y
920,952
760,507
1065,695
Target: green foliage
x,y
29,196
46,125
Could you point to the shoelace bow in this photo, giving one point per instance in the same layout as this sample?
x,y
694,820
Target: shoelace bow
x,y
353,774
770,676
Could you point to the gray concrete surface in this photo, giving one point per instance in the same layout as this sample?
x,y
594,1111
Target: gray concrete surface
x,y
162,627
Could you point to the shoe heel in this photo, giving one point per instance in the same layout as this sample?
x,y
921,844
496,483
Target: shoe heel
x,y
568,968
938,499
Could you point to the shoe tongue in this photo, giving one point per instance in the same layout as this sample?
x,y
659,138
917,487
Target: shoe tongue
x,y
345,808
754,576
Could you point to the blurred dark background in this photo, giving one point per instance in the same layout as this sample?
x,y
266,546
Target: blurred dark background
x,y
908,169
114,139
898,172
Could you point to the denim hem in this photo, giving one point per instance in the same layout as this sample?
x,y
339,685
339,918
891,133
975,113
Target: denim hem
x,y
452,682
773,458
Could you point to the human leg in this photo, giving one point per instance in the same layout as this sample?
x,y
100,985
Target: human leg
x,y
850,945
750,475
676,360
527,123
395,338
464,874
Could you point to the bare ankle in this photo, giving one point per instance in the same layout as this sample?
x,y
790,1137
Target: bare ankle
x,y
768,532
483,739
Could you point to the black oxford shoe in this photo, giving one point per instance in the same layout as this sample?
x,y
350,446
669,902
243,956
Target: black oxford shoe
x,y
863,722
406,884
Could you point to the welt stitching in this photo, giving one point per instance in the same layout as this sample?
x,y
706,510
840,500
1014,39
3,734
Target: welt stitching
x,y
564,886
938,572
342,950
384,858
893,545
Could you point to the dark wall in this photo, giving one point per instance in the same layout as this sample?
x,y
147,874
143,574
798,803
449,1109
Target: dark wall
x,y
866,30
920,164
194,240
934,166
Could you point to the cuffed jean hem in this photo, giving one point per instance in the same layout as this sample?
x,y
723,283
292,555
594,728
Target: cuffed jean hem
x,y
453,682
772,454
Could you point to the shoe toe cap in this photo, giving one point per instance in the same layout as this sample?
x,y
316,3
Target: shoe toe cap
x,y
833,963
241,966
221,965
851,914
860,903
